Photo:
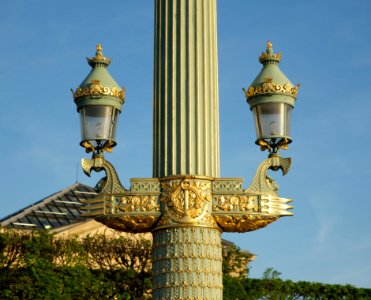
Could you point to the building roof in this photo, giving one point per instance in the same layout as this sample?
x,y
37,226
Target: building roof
x,y
57,210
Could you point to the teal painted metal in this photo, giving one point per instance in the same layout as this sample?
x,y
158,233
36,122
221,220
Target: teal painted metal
x,y
99,88
271,85
186,112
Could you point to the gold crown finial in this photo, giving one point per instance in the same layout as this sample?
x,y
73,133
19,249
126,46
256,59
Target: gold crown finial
x,y
269,56
99,58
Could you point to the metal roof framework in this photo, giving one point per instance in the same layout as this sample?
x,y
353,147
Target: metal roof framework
x,y
57,210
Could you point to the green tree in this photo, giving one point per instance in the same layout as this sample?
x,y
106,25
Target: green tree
x,y
37,265
271,273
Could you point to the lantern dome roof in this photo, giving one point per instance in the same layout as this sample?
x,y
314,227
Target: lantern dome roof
x,y
99,88
271,84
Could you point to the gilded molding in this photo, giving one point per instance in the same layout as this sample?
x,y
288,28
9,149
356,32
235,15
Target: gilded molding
x,y
243,223
96,90
268,87
130,223
207,221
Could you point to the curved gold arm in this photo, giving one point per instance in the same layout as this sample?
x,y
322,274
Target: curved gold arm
x,y
111,183
262,183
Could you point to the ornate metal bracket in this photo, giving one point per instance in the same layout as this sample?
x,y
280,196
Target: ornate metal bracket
x,y
135,210
182,201
238,210
111,183
262,183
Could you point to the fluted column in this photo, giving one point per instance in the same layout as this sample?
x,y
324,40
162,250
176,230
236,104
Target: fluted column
x,y
186,120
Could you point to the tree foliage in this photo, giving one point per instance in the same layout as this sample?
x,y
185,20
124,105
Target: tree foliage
x,y
235,261
271,287
37,265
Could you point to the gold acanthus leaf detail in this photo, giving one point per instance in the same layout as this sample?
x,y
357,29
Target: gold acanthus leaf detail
x,y
243,223
130,223
269,87
96,89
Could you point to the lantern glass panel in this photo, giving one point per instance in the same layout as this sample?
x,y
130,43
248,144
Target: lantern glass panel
x,y
272,120
98,124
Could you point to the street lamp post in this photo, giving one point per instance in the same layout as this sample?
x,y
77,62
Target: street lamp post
x,y
186,205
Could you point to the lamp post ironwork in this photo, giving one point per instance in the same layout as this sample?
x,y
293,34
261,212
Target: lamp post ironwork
x,y
186,205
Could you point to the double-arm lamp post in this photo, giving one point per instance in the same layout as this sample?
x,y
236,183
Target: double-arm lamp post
x,y
186,205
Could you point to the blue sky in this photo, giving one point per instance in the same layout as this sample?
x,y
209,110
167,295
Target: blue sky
x,y
325,46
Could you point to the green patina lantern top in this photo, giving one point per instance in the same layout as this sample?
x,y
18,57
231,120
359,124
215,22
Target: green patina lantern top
x,y
271,85
99,88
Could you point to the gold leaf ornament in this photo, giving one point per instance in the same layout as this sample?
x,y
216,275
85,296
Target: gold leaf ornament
x,y
97,89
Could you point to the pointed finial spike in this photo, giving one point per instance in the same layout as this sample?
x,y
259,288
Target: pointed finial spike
x,y
99,54
269,48
99,47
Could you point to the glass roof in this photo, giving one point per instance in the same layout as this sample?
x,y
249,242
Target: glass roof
x,y
60,209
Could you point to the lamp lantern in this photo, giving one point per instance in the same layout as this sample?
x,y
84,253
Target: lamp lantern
x,y
272,97
99,101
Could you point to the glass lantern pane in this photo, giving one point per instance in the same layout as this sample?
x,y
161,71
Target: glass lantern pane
x,y
272,120
98,123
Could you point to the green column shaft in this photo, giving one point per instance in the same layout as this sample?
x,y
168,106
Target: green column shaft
x,y
186,112
187,264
